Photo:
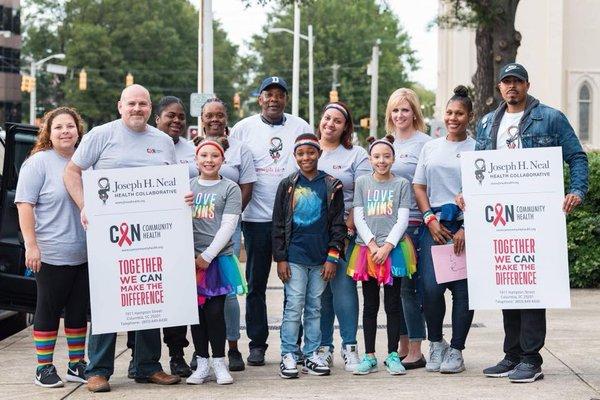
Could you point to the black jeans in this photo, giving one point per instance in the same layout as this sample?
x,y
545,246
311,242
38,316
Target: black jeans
x,y
524,335
58,288
257,241
211,328
393,311
175,337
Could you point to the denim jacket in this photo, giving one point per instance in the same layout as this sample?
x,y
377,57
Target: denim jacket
x,y
541,126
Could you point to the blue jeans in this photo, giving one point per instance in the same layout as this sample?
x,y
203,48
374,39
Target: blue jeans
x,y
302,293
340,299
146,354
434,305
257,240
411,304
232,305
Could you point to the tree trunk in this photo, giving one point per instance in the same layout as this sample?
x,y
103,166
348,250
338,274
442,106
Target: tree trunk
x,y
497,43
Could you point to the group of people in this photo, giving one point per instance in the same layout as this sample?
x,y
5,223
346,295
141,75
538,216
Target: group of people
x,y
327,211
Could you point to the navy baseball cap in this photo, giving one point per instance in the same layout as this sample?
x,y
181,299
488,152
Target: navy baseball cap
x,y
273,81
514,69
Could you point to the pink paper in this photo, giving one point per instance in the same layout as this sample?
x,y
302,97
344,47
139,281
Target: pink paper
x,y
448,266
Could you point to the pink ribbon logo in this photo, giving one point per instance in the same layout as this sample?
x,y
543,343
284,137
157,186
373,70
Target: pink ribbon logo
x,y
498,218
124,230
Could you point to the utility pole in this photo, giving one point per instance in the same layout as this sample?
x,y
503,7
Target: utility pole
x,y
205,49
296,60
311,84
373,70
200,53
334,79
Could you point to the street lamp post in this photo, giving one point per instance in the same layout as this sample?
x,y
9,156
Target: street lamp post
x,y
311,92
35,65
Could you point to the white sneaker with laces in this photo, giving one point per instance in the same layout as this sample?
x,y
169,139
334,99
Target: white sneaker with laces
x,y
221,371
288,368
326,355
437,352
350,356
315,365
201,374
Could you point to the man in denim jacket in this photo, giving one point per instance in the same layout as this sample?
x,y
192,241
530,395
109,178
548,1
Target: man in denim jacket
x,y
521,121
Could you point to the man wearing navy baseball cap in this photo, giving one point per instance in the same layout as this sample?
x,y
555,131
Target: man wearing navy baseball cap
x,y
270,136
521,121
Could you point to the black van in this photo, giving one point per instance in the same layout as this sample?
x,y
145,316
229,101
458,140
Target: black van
x,y
17,289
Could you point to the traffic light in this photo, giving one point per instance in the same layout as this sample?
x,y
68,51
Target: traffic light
x,y
27,83
333,96
82,79
365,123
129,79
236,101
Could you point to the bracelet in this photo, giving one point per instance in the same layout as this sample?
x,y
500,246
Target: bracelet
x,y
429,218
333,256
427,213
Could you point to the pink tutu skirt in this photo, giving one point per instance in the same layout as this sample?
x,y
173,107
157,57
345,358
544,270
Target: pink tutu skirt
x,y
223,276
402,261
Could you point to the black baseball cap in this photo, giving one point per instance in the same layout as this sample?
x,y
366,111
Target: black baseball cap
x,y
273,81
514,69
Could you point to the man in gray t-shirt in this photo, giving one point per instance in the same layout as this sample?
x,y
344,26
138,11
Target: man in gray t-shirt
x,y
126,142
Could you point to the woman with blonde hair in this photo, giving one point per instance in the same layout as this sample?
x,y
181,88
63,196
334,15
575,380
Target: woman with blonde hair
x,y
55,247
404,120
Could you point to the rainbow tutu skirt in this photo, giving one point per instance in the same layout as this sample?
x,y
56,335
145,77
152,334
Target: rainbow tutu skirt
x,y
223,276
402,261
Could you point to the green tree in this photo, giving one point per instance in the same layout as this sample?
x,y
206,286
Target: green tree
x,y
496,41
345,33
154,40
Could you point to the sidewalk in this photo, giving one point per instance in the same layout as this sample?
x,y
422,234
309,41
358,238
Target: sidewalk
x,y
571,366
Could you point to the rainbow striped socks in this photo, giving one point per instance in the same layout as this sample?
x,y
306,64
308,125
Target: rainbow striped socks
x,y
76,344
44,346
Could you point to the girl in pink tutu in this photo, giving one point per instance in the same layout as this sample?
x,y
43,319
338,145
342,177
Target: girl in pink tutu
x,y
383,253
215,212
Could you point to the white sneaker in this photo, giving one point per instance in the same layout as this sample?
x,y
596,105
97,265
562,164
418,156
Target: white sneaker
x,y
437,352
221,371
350,356
315,365
201,374
326,355
288,367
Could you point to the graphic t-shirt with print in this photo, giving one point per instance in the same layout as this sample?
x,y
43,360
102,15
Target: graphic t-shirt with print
x,y
308,244
508,133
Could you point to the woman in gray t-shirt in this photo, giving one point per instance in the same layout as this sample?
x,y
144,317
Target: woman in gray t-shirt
x,y
55,247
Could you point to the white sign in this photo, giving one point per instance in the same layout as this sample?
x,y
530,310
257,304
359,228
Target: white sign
x,y
515,229
197,100
56,69
140,248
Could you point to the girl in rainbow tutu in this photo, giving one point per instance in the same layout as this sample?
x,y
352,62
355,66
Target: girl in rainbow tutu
x,y
383,254
215,213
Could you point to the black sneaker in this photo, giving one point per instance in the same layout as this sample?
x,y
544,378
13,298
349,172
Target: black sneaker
x,y
76,373
500,370
179,367
526,373
47,377
236,362
131,369
256,357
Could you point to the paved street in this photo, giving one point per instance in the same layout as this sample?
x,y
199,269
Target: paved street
x,y
571,367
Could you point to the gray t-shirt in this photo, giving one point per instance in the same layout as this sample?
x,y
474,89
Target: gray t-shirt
x,y
113,145
407,157
346,165
238,165
210,203
58,231
381,201
185,153
439,169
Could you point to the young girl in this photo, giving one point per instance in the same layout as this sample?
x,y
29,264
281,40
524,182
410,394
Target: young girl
x,y
436,182
381,208
216,210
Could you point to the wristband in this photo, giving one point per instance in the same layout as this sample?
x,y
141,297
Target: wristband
x,y
429,218
427,213
333,256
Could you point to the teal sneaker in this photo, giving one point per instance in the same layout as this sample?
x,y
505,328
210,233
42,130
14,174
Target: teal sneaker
x,y
367,365
393,365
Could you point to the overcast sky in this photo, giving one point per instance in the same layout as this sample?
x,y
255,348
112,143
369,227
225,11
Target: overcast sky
x,y
240,23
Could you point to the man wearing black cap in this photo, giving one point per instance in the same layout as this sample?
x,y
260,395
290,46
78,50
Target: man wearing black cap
x,y
270,136
521,121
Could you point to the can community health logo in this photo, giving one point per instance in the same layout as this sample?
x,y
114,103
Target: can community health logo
x,y
502,214
126,234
